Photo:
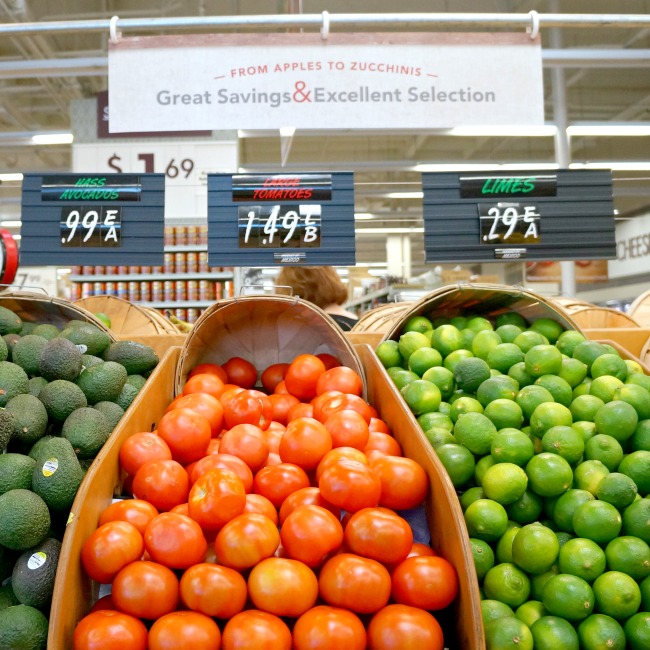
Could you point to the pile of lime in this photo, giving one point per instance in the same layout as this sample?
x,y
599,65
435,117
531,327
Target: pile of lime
x,y
545,435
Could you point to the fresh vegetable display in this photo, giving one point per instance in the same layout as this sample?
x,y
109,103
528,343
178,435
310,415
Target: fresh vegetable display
x,y
275,516
545,435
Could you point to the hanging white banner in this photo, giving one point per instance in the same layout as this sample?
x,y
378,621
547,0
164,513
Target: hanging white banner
x,y
348,81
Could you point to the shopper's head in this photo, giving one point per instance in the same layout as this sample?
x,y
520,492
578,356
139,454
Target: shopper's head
x,y
320,285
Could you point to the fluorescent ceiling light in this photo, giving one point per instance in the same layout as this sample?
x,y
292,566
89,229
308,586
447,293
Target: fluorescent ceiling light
x,y
10,224
621,166
8,178
608,129
53,138
363,216
405,195
388,231
505,131
482,167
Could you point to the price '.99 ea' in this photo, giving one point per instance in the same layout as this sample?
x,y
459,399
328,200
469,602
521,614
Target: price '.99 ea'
x,y
279,226
91,226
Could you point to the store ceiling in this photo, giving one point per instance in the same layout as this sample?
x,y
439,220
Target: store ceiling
x,y
34,101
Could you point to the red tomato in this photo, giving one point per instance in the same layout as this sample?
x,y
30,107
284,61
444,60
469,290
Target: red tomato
x,y
204,383
377,424
109,630
181,509
379,534
344,402
140,448
429,582
213,590
399,627
353,582
309,496
261,505
145,590
277,482
329,360
246,540
223,461
404,484
255,630
319,400
272,375
328,627
135,511
248,442
209,368
274,436
186,432
350,485
418,549
184,631
229,391
207,405
272,459
110,548
337,454
217,497
300,410
311,534
302,376
164,483
280,405
248,407
213,446
340,378
281,389
240,372
383,442
175,540
348,429
304,443
105,602
282,586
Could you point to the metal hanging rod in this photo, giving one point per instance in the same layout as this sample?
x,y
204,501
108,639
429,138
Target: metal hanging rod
x,y
415,21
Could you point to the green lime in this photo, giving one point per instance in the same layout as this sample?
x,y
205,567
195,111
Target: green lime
x,y
547,415
470,373
503,549
584,407
543,360
636,520
618,489
479,324
558,387
389,354
548,327
597,520
588,474
442,378
605,387
104,318
549,475
637,396
492,609
585,428
582,558
535,548
537,582
566,505
400,376
482,466
503,356
439,436
601,632
469,496
504,413
554,633
637,631
483,556
572,371
526,509
617,419
483,342
464,405
475,431
530,397
417,324
498,387
409,342
486,520
629,555
588,351
504,483
508,332
564,441
563,537
529,339
530,611
568,596
609,364
510,445
445,409
640,439
454,357
507,583
421,396
423,359
458,321
446,338
617,595
508,633
638,377
435,419
606,449
511,318
567,341
583,387
520,375
458,461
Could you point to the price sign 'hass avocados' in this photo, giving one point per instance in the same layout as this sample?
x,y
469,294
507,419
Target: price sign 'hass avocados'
x,y
90,219
301,219
537,215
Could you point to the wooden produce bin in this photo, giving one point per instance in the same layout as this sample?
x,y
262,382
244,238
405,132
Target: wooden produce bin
x,y
636,340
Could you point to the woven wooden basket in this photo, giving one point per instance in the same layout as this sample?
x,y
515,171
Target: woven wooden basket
x,y
263,330
601,317
381,318
640,309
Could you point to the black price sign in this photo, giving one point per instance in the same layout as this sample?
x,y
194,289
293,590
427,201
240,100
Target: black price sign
x,y
509,223
91,226
279,226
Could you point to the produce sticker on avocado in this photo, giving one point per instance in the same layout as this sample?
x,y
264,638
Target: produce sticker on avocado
x,y
50,466
37,560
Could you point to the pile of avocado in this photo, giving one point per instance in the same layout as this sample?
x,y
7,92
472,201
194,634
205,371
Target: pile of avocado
x,y
62,392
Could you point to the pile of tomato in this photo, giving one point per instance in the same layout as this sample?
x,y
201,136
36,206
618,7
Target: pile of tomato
x,y
266,518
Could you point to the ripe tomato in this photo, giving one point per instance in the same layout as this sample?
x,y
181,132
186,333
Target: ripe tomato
x,y
282,586
145,590
337,454
229,391
383,442
376,424
353,582
261,505
207,405
277,482
240,372
309,496
350,485
213,446
429,582
246,540
404,484
419,549
140,448
135,511
186,432
300,410
329,627
281,389
105,602
398,627
304,443
280,405
329,360
184,631
274,435
343,402
175,540
110,548
181,509
209,368
223,461
340,378
311,534
213,590
248,407
272,459
255,630
248,442
109,630
204,383
302,376
163,483
348,429
272,375
217,497
379,534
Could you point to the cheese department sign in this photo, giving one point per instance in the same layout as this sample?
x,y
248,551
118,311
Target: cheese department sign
x,y
348,81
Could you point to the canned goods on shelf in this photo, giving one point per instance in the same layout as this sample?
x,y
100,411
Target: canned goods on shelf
x,y
228,289
169,235
181,313
145,270
180,290
133,270
192,235
122,270
203,262
203,235
134,291
218,291
206,290
87,270
192,265
145,291
169,262
157,269
75,291
169,290
86,289
99,288
157,293
192,315
111,288
110,270
122,290
192,290
180,263
180,236
76,270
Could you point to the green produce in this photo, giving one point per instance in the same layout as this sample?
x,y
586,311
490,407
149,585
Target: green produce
x,y
36,385
46,330
27,353
87,429
4,350
33,576
8,428
10,323
89,336
112,411
23,628
136,357
60,359
31,418
102,382
15,472
126,396
13,381
7,596
24,519
60,397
